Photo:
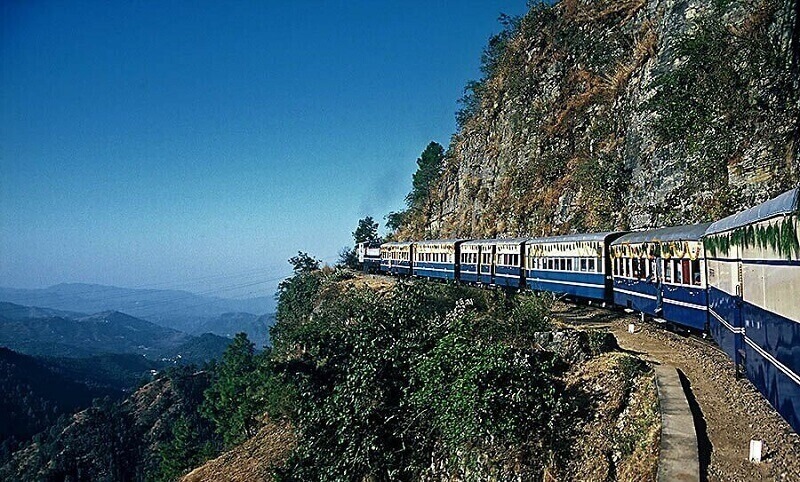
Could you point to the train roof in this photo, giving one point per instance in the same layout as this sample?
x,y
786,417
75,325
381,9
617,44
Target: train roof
x,y
689,232
441,241
401,244
786,203
497,241
574,238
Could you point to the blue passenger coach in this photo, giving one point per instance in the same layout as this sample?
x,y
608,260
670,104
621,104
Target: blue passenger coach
x,y
476,261
437,258
396,258
754,297
508,263
575,265
661,272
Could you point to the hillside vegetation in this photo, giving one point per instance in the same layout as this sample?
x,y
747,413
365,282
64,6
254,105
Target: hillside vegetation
x,y
424,381
608,114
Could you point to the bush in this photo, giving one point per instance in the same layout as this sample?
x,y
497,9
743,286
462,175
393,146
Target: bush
x,y
385,383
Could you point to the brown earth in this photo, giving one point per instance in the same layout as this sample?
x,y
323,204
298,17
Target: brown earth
x,y
729,411
255,460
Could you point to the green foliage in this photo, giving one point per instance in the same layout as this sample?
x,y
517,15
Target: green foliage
x,y
395,219
153,435
367,230
731,74
429,168
303,263
384,382
348,258
186,450
780,237
230,401
530,314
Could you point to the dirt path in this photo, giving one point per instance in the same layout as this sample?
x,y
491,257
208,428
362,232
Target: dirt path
x,y
728,412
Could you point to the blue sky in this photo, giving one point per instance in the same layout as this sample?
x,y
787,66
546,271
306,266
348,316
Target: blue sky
x,y
158,143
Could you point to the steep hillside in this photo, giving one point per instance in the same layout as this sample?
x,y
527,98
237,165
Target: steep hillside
x,y
431,381
114,441
33,396
623,114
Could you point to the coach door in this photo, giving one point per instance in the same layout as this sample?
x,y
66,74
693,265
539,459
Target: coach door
x,y
738,318
494,262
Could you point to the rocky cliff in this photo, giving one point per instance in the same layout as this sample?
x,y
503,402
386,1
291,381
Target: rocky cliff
x,y
619,114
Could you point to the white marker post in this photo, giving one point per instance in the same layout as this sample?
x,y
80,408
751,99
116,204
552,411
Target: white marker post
x,y
631,328
755,450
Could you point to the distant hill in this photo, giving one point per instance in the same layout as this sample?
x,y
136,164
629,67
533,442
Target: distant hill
x,y
108,332
114,440
159,306
33,396
102,333
229,324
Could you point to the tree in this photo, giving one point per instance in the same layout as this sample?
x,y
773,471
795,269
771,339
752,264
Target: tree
x,y
231,400
186,450
303,263
395,219
429,167
367,230
348,258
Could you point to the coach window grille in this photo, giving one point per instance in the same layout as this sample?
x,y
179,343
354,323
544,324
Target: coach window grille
x,y
696,273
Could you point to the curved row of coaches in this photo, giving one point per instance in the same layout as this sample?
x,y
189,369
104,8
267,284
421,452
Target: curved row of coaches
x,y
737,279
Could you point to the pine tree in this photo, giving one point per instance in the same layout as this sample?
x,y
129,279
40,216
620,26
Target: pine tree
x,y
429,167
232,400
367,230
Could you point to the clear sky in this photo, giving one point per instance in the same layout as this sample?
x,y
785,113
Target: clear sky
x,y
198,145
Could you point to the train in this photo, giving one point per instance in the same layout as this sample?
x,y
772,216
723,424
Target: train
x,y
736,279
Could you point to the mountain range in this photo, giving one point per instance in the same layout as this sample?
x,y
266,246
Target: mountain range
x,y
178,310
54,334
150,304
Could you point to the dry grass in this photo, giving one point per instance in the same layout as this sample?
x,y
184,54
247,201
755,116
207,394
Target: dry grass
x,y
254,460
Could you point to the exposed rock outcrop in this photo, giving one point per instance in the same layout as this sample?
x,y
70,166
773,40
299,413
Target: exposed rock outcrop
x,y
625,114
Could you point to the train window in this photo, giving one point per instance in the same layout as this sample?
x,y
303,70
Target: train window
x,y
550,263
563,264
584,263
668,271
569,264
590,264
637,272
696,273
678,272
685,270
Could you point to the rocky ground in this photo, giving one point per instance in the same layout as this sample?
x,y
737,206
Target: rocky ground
x,y
729,412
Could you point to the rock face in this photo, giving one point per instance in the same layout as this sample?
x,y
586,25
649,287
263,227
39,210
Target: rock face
x,y
620,114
